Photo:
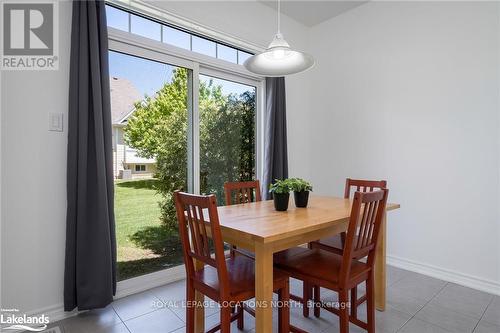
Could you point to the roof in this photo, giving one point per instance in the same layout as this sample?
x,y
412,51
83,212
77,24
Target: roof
x,y
131,157
123,96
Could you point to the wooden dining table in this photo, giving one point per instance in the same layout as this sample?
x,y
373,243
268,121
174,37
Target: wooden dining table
x,y
258,227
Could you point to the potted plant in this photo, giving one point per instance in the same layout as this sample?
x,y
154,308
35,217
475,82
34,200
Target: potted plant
x,y
281,194
301,189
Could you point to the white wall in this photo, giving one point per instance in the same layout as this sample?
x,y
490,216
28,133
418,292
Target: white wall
x,y
409,92
33,182
33,160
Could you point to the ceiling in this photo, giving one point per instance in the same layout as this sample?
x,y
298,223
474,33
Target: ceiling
x,y
313,12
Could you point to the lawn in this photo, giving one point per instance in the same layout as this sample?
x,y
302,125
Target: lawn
x,y
143,245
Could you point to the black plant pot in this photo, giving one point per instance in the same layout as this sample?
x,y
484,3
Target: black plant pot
x,y
281,201
301,198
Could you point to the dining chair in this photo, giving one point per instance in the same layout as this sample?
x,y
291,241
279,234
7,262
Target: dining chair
x,y
336,243
228,281
342,273
241,192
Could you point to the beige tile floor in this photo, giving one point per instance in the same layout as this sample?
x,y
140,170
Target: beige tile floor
x,y
415,304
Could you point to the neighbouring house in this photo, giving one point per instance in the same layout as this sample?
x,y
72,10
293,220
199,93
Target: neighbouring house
x,y
126,162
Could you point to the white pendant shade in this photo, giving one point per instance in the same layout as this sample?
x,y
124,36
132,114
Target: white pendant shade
x,y
279,60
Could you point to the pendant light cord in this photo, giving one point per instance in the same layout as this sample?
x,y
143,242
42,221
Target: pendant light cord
x,y
279,19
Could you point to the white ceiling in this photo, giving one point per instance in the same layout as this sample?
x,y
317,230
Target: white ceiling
x,y
313,12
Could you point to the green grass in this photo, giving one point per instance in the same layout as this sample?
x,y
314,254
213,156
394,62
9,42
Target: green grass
x,y
143,245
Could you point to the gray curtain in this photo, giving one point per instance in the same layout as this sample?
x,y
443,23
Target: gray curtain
x,y
276,155
90,267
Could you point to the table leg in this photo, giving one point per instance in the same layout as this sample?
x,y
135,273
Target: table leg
x,y
199,312
263,289
380,260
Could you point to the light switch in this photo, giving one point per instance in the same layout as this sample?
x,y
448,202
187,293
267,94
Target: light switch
x,y
56,122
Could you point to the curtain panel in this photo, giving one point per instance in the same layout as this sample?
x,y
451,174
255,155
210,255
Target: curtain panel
x,y
90,266
275,147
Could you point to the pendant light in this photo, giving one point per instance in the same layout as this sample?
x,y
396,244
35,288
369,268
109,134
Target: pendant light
x,y
279,59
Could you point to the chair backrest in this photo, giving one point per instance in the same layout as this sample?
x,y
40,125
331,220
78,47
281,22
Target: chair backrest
x,y
242,192
196,231
367,213
363,185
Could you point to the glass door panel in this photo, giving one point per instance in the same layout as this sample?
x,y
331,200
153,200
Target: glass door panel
x,y
227,133
150,107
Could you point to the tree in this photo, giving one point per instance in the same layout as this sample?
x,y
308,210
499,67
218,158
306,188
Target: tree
x,y
159,129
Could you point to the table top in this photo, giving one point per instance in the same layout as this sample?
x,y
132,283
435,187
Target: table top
x,y
261,222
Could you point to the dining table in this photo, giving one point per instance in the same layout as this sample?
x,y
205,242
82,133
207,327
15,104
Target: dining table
x,y
258,227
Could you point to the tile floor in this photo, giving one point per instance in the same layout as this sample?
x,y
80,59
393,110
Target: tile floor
x,y
415,304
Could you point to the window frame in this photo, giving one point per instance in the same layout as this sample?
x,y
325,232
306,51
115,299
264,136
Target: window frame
x,y
140,167
136,45
163,19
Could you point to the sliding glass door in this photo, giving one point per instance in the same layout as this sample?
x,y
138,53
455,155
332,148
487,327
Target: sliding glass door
x,y
227,133
150,107
173,128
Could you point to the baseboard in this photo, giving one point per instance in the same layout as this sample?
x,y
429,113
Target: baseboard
x,y
124,288
149,281
53,312
489,286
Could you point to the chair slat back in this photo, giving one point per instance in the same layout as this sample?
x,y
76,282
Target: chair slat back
x,y
367,213
363,185
242,192
198,223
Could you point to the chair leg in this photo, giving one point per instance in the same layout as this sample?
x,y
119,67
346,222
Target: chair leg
x,y
190,297
232,252
317,301
284,310
370,303
241,314
225,319
354,300
342,238
306,295
344,311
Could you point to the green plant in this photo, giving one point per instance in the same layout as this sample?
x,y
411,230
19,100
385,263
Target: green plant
x,y
280,186
299,185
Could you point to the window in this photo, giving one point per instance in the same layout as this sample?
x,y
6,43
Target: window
x,y
227,134
145,27
116,18
171,143
242,56
140,167
227,53
144,236
176,37
203,46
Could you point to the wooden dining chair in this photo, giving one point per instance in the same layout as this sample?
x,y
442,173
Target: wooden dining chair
x,y
242,192
342,273
228,281
336,243
238,193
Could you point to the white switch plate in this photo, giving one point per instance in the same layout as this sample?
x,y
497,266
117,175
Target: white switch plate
x,y
56,122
